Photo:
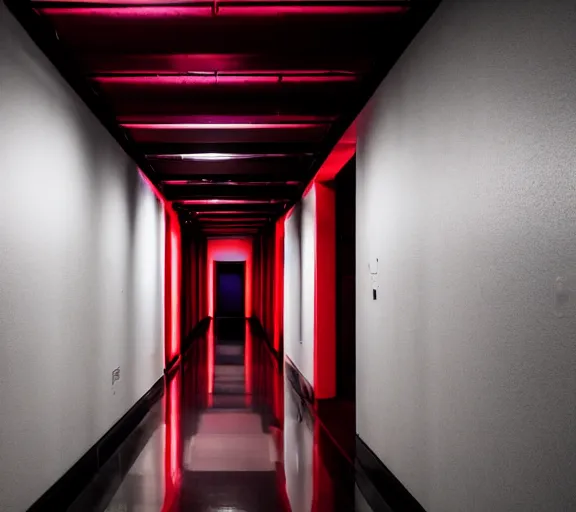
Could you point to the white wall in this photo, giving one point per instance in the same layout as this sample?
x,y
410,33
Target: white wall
x,y
466,174
299,282
298,452
81,251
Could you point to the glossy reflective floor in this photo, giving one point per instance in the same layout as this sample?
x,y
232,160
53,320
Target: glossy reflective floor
x,y
229,435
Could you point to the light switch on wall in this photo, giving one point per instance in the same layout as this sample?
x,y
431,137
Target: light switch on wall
x,y
373,269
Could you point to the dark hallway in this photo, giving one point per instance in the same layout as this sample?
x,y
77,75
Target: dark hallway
x,y
287,256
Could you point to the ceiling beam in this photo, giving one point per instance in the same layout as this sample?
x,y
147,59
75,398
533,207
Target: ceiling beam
x,y
264,60
247,148
255,179
268,167
231,192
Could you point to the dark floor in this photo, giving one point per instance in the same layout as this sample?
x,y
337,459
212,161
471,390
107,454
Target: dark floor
x,y
228,436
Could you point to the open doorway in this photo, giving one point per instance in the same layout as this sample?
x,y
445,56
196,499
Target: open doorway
x,y
346,283
230,289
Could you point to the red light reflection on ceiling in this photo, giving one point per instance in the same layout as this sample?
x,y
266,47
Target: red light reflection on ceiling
x,y
229,201
130,12
166,10
220,126
223,79
275,10
201,215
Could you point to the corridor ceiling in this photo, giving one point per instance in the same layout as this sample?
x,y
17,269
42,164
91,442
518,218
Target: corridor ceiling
x,y
229,106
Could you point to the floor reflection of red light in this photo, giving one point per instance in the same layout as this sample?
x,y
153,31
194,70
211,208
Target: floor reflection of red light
x,y
173,443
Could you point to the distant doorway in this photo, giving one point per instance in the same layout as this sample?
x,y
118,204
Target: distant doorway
x,y
230,289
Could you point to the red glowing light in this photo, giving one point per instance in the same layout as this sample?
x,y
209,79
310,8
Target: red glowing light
x,y
278,283
341,154
152,187
232,249
230,201
176,182
219,126
153,10
318,78
171,119
130,12
305,10
210,362
172,284
248,364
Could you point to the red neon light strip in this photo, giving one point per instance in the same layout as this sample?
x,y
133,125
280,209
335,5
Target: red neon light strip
x,y
173,272
210,362
129,12
220,126
275,10
248,365
230,201
173,11
278,283
212,80
152,187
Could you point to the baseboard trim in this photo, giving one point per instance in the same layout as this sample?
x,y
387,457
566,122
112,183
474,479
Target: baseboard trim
x,y
68,487
381,489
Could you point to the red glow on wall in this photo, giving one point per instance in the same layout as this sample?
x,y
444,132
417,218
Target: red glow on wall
x,y
210,363
337,159
172,275
278,283
231,249
325,294
152,187
220,79
248,365
172,284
